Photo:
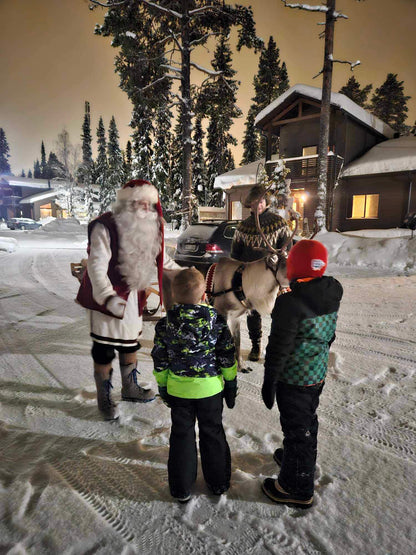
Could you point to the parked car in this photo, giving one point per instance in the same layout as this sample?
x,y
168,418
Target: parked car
x,y
204,243
22,223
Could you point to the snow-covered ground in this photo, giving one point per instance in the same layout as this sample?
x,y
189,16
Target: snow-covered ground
x,y
73,484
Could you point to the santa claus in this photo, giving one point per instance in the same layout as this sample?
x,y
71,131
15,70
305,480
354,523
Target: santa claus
x,y
124,248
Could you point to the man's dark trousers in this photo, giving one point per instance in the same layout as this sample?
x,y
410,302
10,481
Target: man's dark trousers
x,y
297,407
213,446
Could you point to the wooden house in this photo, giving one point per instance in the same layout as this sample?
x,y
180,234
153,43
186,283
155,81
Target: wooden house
x,y
355,199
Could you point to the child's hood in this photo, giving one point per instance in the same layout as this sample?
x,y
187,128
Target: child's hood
x,y
190,322
322,294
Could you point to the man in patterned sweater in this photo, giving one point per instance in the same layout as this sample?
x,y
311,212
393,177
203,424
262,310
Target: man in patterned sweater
x,y
303,328
248,245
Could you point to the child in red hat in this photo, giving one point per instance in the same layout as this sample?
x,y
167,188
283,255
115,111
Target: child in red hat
x,y
296,363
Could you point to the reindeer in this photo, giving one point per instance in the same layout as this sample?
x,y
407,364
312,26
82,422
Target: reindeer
x,y
234,288
239,287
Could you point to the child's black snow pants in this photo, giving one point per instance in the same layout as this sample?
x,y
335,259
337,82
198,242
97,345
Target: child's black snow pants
x,y
213,446
297,407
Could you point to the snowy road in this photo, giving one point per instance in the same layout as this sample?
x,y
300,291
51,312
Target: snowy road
x,y
71,483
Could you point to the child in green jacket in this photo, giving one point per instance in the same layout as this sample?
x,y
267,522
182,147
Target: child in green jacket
x,y
195,366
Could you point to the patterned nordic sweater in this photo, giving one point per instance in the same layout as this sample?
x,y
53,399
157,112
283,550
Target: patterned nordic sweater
x,y
247,239
193,351
303,328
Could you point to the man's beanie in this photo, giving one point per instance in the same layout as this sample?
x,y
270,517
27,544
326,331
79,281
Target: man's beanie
x,y
255,194
306,259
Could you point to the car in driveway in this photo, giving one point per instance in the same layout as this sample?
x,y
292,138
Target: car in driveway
x,y
22,223
204,243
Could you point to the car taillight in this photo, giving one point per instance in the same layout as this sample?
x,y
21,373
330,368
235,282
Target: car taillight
x,y
213,247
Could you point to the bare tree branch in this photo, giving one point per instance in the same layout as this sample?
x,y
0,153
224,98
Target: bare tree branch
x,y
309,8
195,42
106,4
204,70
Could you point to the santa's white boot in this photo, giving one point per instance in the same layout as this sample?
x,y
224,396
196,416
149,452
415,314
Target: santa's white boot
x,y
106,405
131,390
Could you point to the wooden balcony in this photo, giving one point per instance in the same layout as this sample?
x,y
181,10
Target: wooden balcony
x,y
305,168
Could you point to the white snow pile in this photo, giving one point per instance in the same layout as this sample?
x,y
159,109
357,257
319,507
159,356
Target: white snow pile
x,y
62,225
8,244
378,252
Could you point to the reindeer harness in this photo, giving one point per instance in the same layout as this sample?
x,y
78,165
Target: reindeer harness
x,y
236,285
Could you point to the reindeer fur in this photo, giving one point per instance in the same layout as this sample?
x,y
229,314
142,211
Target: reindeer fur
x,y
260,286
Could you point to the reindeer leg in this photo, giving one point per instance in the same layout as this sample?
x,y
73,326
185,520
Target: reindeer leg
x,y
234,325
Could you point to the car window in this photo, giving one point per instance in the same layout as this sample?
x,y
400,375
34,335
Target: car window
x,y
229,231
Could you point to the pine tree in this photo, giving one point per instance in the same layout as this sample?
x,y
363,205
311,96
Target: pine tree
x,y
161,157
389,103
218,102
115,166
29,174
86,170
43,164
270,82
142,29
101,166
251,150
23,173
128,160
354,91
142,143
36,170
4,154
54,168
199,169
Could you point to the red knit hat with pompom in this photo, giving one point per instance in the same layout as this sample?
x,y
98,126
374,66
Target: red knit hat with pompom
x,y
307,259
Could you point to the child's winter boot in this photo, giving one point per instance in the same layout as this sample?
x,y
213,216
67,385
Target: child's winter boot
x,y
106,405
131,390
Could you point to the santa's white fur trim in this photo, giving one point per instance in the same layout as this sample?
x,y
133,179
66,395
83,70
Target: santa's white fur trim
x,y
142,192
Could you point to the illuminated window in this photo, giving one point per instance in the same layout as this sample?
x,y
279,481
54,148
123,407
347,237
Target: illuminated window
x,y
236,210
365,206
45,210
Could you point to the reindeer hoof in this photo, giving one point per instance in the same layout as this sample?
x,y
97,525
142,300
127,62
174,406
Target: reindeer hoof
x,y
246,370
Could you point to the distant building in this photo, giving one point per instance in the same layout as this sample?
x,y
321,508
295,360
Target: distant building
x,y
28,198
361,193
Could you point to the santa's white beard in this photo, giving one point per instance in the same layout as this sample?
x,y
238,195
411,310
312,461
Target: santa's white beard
x,y
139,245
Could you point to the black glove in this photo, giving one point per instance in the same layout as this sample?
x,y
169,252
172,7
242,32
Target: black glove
x,y
230,392
268,392
164,395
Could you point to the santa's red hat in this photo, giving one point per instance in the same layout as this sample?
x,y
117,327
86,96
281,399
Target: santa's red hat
x,y
140,189
307,259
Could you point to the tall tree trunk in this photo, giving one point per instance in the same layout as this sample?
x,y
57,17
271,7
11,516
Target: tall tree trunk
x,y
186,117
320,214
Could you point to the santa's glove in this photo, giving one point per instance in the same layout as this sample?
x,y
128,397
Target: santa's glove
x,y
116,305
268,391
230,392
164,395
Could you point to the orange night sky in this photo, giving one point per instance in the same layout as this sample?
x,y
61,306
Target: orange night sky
x,y
51,62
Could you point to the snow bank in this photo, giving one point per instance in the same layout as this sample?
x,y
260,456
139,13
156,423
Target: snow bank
x,y
8,244
394,253
62,225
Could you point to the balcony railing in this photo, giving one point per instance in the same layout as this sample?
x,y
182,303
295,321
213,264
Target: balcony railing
x,y
305,168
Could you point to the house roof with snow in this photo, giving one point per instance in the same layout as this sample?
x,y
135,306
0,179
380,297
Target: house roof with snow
x,y
337,99
39,196
396,155
24,182
244,175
